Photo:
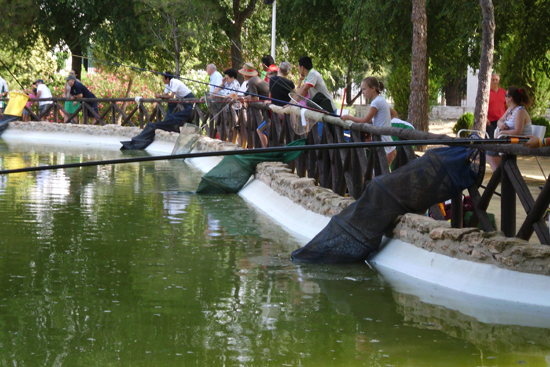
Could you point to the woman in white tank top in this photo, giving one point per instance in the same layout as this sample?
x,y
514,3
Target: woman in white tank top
x,y
516,120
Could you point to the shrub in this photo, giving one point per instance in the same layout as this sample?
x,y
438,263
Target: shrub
x,y
465,121
541,121
399,89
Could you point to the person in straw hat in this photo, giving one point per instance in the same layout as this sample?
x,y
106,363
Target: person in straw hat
x,y
255,85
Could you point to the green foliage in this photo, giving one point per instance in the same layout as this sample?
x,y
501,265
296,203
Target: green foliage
x,y
521,70
399,87
541,121
61,58
465,121
27,66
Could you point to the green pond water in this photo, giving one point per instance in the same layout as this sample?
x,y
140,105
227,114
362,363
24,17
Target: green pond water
x,y
123,266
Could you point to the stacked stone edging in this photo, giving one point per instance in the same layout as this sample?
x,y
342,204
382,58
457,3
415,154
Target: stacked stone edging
x,y
302,191
472,244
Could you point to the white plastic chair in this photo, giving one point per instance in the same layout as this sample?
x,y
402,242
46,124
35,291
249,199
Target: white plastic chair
x,y
481,133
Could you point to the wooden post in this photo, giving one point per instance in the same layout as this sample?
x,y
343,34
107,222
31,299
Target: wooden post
x,y
536,216
457,212
84,113
507,200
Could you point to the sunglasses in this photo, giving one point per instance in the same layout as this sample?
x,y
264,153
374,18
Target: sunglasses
x,y
507,95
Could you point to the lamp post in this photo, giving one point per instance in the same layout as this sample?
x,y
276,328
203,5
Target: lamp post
x,y
273,24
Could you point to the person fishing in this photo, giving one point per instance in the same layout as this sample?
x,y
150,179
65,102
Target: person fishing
x,y
172,123
173,88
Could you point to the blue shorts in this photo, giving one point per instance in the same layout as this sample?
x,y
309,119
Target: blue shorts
x,y
263,128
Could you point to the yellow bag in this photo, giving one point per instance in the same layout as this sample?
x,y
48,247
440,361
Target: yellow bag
x,y
16,104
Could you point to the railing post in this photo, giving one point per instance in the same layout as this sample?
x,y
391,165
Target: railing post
x,y
55,111
457,212
507,200
84,113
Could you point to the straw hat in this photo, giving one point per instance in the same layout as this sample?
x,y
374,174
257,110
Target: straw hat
x,y
248,69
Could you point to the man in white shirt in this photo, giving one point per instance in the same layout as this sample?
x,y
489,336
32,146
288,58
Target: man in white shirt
x,y
3,94
172,122
174,88
42,91
216,78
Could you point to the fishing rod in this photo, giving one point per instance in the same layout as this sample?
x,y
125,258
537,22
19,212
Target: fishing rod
x,y
257,70
450,142
13,76
205,83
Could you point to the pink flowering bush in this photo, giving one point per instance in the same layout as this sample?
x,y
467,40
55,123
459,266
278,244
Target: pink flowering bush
x,y
106,84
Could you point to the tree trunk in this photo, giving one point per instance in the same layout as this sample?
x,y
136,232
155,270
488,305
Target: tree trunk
x,y
177,53
76,61
85,60
452,96
486,65
348,94
419,104
236,52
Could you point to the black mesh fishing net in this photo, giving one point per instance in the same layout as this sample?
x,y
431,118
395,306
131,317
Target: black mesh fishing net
x,y
357,231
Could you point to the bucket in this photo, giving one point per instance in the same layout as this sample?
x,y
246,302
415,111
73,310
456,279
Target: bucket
x,y
16,104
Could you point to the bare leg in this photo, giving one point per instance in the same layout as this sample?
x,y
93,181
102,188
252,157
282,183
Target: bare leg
x,y
493,161
263,138
391,156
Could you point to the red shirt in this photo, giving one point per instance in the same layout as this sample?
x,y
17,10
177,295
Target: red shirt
x,y
497,104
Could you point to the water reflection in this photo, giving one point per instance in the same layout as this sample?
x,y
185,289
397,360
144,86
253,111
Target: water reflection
x,y
114,265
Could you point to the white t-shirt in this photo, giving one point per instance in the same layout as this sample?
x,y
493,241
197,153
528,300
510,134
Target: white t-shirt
x,y
3,85
177,87
216,80
318,85
3,88
45,94
243,88
382,118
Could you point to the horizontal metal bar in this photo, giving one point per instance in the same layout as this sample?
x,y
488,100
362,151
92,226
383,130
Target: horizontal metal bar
x,y
450,142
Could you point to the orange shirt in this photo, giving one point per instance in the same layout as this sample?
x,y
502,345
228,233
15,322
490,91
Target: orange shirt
x,y
497,104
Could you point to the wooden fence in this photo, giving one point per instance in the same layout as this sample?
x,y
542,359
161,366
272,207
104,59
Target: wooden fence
x,y
345,171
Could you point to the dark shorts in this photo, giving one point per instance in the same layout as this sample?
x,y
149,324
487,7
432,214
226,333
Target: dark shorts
x,y
43,107
491,135
95,108
491,130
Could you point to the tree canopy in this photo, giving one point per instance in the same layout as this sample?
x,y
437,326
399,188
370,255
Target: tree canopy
x,y
180,35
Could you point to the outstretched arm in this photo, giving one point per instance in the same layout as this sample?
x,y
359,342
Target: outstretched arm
x,y
367,119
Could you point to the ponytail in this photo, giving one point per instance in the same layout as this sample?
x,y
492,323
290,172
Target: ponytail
x,y
372,82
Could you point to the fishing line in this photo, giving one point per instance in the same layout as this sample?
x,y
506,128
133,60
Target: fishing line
x,y
450,142
212,85
9,71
